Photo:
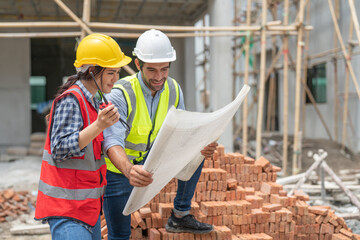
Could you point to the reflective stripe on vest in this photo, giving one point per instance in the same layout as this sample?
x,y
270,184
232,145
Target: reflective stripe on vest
x,y
71,194
143,132
73,188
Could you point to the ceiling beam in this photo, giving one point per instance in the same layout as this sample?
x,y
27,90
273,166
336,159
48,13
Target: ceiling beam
x,y
161,7
35,6
116,16
140,8
98,9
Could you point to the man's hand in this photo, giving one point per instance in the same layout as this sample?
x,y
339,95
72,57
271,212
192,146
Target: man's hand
x,y
208,151
138,177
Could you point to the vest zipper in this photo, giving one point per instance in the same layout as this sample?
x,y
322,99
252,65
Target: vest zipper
x,y
148,142
153,125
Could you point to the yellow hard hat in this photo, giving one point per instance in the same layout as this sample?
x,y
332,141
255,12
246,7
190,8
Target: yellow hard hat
x,y
102,50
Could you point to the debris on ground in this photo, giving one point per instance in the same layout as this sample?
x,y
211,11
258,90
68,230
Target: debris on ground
x,y
14,203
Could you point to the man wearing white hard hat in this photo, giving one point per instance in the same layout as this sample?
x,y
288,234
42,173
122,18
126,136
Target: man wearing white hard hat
x,y
144,98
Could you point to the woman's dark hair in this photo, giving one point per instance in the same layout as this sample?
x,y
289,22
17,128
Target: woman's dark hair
x,y
80,76
72,79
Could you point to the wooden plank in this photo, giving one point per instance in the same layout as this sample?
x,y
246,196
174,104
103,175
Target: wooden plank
x,y
86,15
246,81
346,94
30,229
318,159
262,81
338,181
285,91
300,45
354,19
346,56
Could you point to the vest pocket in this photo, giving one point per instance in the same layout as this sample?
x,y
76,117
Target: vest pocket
x,y
87,179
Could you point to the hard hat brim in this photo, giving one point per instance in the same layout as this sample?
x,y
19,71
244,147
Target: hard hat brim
x,y
125,61
157,60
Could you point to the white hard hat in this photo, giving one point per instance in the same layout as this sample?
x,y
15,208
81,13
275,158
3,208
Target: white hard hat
x,y
154,46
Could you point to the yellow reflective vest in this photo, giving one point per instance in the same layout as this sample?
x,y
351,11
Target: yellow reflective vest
x,y
142,130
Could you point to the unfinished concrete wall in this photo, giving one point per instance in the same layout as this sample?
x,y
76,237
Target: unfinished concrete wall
x,y
177,69
221,65
189,63
322,39
15,115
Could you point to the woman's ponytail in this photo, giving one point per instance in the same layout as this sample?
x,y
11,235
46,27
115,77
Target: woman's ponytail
x,y
71,80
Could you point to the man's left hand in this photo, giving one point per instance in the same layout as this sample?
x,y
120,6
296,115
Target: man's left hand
x,y
209,150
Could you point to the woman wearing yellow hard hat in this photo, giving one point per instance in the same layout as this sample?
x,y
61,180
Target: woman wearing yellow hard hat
x,y
73,172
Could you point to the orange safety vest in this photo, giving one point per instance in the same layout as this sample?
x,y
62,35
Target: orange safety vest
x,y
73,188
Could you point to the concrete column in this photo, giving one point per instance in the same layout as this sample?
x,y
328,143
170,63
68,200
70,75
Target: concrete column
x,y
189,87
221,14
15,117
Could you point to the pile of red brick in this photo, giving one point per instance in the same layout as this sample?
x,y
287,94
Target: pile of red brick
x,y
13,204
239,196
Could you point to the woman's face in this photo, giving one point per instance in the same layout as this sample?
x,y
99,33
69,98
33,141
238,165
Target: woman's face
x,y
109,77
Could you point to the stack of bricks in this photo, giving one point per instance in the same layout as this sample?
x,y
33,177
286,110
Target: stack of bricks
x,y
13,204
240,197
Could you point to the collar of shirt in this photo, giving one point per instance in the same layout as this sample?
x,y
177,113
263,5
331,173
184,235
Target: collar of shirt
x,y
89,97
145,89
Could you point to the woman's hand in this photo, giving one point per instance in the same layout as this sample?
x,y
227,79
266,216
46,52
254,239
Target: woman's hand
x,y
107,117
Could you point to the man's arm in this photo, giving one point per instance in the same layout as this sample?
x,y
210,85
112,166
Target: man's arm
x,y
209,150
137,176
114,143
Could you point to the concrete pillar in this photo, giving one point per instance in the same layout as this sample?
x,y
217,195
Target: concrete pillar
x,y
15,117
189,63
221,14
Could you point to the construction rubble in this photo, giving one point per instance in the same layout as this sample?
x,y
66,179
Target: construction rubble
x,y
240,197
14,203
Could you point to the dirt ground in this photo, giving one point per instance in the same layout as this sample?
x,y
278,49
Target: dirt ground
x,y
337,159
22,173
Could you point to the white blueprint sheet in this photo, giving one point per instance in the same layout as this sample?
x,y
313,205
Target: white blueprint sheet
x,y
176,150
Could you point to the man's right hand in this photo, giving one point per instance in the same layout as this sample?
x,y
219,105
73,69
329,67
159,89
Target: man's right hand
x,y
138,177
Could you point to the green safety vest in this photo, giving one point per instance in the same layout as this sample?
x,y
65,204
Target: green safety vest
x,y
142,130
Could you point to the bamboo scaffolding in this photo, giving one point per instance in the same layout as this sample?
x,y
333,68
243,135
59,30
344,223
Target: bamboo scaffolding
x,y
298,89
262,81
246,81
234,62
336,100
355,19
85,27
318,160
336,105
306,63
73,16
338,181
271,28
285,91
346,95
271,108
348,63
313,101
128,35
86,15
338,57
136,27
40,35
206,97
